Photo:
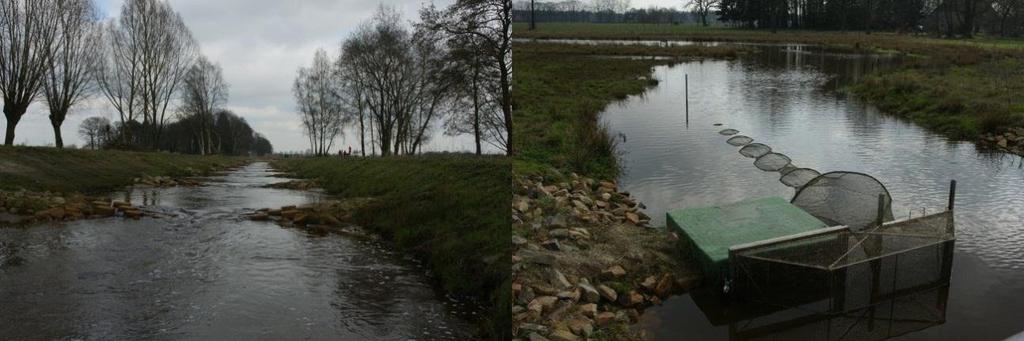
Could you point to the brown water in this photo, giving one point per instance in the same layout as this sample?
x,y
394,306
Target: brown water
x,y
203,273
785,96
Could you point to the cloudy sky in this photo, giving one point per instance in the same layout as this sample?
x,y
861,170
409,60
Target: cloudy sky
x,y
260,44
657,3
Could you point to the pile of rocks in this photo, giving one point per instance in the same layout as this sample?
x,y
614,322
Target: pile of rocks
x,y
24,208
164,181
301,185
586,199
1011,140
585,261
326,216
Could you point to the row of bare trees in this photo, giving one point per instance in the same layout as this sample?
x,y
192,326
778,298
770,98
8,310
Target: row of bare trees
x,y
145,63
393,84
949,18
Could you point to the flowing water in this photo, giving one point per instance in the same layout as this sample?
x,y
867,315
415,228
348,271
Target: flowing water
x,y
786,96
202,272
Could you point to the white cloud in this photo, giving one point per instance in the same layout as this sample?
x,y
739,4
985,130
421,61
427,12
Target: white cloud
x,y
260,44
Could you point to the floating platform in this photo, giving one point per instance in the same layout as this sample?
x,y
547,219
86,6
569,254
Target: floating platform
x,y
712,231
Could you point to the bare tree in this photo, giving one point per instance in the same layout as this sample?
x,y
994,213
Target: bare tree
x,y
480,114
148,52
491,22
204,93
68,80
117,75
380,57
320,107
94,130
702,8
28,35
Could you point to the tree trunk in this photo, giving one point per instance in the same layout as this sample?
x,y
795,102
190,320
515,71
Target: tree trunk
x,y
58,141
362,134
533,17
476,119
13,116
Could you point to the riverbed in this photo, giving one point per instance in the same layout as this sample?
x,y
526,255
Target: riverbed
x,y
790,98
202,271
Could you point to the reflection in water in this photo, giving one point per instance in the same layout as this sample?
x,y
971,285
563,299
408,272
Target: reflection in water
x,y
783,97
200,272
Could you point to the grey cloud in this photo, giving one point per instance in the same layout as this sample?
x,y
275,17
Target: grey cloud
x,y
260,44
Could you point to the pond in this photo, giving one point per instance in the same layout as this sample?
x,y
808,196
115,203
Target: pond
x,y
203,272
789,97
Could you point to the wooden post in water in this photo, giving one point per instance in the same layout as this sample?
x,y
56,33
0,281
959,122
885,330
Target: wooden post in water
x,y
687,89
952,195
881,209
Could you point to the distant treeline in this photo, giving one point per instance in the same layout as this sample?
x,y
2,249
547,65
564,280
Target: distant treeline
x,y
229,135
946,18
613,11
950,18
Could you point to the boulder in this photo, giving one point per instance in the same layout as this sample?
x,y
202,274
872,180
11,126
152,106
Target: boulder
x,y
558,278
563,335
631,299
542,304
537,337
289,214
608,293
633,218
559,233
613,272
604,319
589,310
581,327
104,211
664,286
589,293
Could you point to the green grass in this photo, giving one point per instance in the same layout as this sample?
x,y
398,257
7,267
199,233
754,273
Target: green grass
x,y
93,172
962,101
452,211
726,34
560,91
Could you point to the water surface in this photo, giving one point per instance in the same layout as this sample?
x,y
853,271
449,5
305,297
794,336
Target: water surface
x,y
785,96
202,272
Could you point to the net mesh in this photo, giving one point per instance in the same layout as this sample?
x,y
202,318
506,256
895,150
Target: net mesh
x,y
841,270
740,140
772,162
798,177
755,150
845,199
868,278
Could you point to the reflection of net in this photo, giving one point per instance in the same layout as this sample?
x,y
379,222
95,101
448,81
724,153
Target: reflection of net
x,y
729,132
845,198
740,141
839,270
755,150
798,177
772,162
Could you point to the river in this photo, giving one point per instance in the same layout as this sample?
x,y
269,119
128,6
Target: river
x,y
202,271
788,97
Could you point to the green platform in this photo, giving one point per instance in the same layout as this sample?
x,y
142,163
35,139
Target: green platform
x,y
711,231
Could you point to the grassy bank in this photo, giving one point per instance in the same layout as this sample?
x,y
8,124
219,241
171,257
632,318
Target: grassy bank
x,y
450,210
560,90
960,88
920,45
962,102
89,171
